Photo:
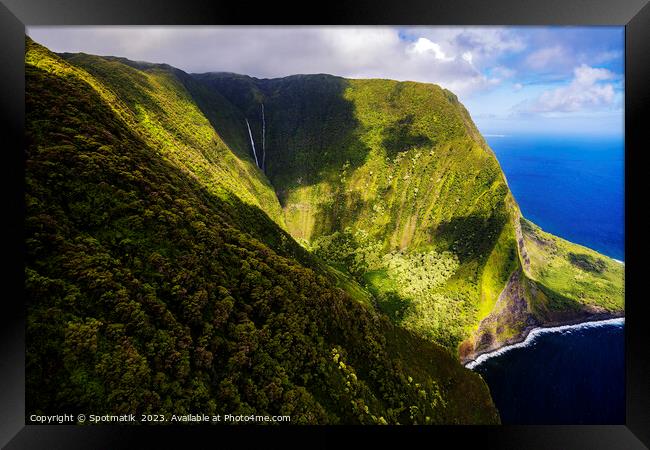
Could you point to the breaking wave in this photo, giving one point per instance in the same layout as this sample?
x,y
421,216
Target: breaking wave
x,y
535,332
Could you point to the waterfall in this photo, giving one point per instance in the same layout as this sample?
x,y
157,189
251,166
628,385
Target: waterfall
x,y
252,143
263,141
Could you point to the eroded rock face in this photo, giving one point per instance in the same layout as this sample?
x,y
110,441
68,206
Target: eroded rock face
x,y
513,317
524,258
486,339
505,324
533,296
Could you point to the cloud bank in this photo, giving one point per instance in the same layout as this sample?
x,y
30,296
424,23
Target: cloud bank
x,y
448,57
585,92
500,73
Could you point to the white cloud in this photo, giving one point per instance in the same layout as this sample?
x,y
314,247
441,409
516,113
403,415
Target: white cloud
x,y
483,43
467,56
472,62
424,46
445,56
503,72
585,75
545,57
606,56
586,91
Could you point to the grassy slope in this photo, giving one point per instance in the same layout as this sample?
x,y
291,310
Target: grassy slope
x,y
156,284
557,282
573,276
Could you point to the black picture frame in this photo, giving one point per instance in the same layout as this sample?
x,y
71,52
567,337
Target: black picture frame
x,y
16,14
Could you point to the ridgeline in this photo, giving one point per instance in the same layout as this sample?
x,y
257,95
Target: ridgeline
x,y
337,274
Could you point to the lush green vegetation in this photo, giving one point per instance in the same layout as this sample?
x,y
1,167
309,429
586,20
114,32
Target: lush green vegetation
x,y
587,262
409,287
159,278
557,282
337,281
157,104
383,179
572,273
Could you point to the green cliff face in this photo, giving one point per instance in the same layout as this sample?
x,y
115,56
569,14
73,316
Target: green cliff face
x,y
160,279
392,184
337,273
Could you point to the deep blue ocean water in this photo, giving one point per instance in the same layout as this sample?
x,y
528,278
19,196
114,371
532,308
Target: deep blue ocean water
x,y
573,376
572,187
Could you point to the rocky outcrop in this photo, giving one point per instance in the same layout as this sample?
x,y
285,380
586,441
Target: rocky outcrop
x,y
514,317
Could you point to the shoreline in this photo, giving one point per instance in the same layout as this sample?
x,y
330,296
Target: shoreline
x,y
529,334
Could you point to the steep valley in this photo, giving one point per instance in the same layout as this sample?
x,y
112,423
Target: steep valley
x,y
392,183
340,273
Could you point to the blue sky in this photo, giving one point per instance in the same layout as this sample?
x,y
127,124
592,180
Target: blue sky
x,y
513,80
560,81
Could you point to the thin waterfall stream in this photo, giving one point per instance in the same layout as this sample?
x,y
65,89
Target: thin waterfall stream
x,y
263,141
252,144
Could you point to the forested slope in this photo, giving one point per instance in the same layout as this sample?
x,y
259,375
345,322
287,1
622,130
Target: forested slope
x,y
159,278
336,274
392,183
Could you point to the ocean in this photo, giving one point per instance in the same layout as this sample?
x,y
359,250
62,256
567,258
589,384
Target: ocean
x,y
572,187
572,376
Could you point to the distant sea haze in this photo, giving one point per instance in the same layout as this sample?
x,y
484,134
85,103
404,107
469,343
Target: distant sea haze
x,y
571,186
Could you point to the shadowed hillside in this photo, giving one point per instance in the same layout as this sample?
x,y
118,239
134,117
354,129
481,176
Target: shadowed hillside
x,y
392,183
311,245
157,281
